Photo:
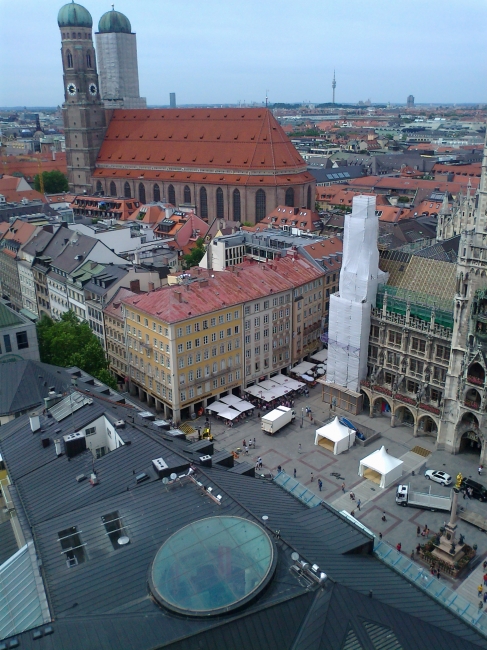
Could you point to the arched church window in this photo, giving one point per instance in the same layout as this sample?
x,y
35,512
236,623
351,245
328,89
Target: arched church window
x,y
142,193
99,186
187,194
220,208
79,35
73,35
171,195
289,200
308,202
156,193
260,205
88,59
126,191
113,189
236,205
69,58
203,203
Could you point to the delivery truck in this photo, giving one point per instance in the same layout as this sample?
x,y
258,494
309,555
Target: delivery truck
x,y
425,500
276,419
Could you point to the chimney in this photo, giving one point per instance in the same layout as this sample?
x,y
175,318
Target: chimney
x,y
52,399
35,422
151,286
135,286
179,296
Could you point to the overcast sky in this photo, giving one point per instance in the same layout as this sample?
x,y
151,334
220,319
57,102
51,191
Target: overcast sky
x,y
210,51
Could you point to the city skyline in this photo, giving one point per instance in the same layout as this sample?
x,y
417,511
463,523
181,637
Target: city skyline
x,y
228,53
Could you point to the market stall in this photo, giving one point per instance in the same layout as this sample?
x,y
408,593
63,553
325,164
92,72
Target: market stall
x,y
381,468
335,437
243,406
303,368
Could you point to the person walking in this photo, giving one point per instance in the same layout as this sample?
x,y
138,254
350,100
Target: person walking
x,y
418,549
399,547
353,513
294,472
380,535
312,477
358,504
320,484
480,605
300,449
481,467
343,488
485,579
384,516
480,589
254,443
412,554
418,531
485,565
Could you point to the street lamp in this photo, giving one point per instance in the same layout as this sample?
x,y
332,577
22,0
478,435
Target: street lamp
x,y
302,418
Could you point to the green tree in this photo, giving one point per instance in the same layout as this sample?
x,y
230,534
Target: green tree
x,y
54,182
194,257
68,342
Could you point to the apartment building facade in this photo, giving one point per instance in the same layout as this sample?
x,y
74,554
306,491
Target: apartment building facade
x,y
115,338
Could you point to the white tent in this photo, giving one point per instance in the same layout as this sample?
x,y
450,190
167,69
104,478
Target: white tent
x,y
243,406
381,467
230,399
335,437
287,382
320,356
217,407
229,414
302,368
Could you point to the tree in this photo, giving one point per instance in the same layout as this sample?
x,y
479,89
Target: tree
x,y
68,342
195,256
54,182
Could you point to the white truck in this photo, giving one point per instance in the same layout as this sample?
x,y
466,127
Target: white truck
x,y
425,500
276,419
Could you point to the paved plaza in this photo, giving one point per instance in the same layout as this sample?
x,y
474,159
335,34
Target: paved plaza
x,y
314,462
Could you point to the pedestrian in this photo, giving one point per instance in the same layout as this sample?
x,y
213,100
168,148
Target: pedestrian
x,y
384,516
412,554
254,443
300,449
244,444
259,460
351,496
320,484
480,606
485,565
256,464
480,589
312,478
418,531
380,535
353,513
398,547
358,504
279,469
294,472
480,469
485,597
246,448
418,549
485,579
343,488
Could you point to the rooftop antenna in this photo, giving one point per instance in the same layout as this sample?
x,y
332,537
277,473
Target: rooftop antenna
x,y
266,98
333,86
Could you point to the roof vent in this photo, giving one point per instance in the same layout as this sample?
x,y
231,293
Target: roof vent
x,y
35,422
161,467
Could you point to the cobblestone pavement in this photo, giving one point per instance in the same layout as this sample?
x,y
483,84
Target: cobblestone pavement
x,y
309,460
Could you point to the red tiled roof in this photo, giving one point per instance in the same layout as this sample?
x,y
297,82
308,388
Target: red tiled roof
x,y
19,231
458,170
214,290
30,165
114,307
294,217
236,140
394,183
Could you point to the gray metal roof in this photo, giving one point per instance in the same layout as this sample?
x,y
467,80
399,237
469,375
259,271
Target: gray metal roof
x,y
8,543
24,384
104,603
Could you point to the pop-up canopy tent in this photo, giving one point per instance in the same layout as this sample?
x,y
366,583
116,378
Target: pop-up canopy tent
x,y
335,437
381,467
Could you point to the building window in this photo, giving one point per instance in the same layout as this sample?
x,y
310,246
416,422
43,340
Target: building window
x,y
236,205
99,186
308,201
22,341
156,193
113,189
69,58
187,194
289,200
88,60
220,210
114,528
142,193
72,546
126,191
260,205
7,343
171,195
418,345
203,203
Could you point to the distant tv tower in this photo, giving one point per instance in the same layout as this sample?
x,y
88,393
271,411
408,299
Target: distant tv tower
x,y
333,85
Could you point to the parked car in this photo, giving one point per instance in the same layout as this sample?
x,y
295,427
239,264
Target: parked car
x,y
440,477
479,491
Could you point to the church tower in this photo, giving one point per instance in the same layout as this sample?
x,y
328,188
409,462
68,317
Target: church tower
x,y
83,110
464,417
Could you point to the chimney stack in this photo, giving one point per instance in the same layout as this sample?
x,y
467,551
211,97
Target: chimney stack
x,y
35,422
135,286
151,286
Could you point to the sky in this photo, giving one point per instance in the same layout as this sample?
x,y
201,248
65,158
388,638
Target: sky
x,y
211,52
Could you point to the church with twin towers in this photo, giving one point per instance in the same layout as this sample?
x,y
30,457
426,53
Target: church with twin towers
x,y
235,164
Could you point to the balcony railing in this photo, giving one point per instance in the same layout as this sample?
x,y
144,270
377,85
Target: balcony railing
x,y
475,380
472,405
